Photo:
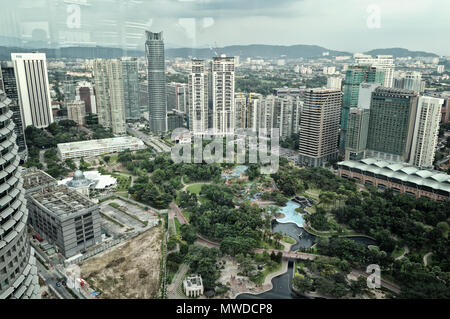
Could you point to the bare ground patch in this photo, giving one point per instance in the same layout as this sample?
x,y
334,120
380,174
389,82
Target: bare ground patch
x,y
130,270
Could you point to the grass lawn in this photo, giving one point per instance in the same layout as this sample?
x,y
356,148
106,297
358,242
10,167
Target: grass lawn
x,y
289,240
266,271
398,251
123,182
195,189
177,225
187,215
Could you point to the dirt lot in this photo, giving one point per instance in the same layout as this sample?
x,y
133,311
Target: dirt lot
x,y
130,270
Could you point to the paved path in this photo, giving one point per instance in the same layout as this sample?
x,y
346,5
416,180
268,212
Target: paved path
x,y
172,289
425,258
384,283
405,251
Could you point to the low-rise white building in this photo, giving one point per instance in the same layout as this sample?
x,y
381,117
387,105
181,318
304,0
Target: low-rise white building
x,y
99,147
193,286
91,180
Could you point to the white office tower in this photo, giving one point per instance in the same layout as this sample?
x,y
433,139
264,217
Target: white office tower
x,y
33,88
240,110
319,129
223,95
18,272
426,131
334,83
383,63
109,94
76,111
198,104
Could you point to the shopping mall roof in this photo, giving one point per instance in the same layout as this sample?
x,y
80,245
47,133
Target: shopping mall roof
x,y
401,171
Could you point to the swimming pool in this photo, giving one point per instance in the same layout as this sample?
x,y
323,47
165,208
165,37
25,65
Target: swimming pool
x,y
290,215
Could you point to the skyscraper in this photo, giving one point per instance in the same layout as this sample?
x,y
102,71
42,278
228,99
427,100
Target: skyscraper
x,y
110,101
223,95
18,272
384,63
9,85
358,123
354,76
391,127
177,97
131,88
32,86
198,104
426,131
318,140
156,76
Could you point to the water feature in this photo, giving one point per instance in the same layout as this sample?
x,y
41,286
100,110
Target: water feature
x,y
290,215
236,172
282,287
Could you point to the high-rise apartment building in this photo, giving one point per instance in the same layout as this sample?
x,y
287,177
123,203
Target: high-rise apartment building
x,y
426,131
334,83
384,63
391,127
240,110
156,77
319,129
223,111
198,104
411,80
18,272
109,95
131,88
254,106
33,88
9,85
286,115
178,97
85,93
76,111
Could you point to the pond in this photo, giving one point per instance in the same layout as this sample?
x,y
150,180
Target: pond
x,y
290,215
282,287
282,284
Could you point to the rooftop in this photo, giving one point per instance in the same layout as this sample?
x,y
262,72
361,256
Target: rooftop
x,y
33,177
98,144
62,201
402,171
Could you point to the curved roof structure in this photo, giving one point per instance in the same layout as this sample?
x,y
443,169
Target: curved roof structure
x,y
406,173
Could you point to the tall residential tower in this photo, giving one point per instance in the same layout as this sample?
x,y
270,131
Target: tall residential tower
x,y
156,76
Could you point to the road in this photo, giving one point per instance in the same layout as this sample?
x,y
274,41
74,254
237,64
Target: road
x,y
42,159
152,141
51,278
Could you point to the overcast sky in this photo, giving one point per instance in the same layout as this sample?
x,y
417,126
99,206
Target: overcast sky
x,y
346,25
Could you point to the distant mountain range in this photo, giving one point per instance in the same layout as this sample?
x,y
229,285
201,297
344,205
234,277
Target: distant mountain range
x,y
401,53
244,51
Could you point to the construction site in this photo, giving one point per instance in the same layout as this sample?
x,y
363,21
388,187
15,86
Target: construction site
x,y
128,270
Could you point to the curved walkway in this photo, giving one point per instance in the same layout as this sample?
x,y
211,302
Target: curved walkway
x,y
405,251
425,258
